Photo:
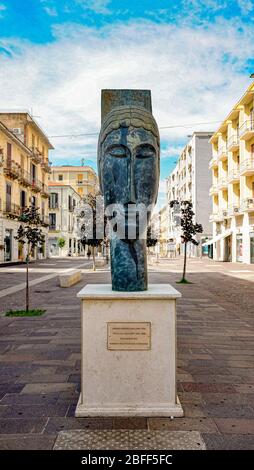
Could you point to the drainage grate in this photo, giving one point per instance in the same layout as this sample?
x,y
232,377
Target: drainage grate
x,y
129,440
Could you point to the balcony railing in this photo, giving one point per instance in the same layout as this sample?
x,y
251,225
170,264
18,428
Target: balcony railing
x,y
222,152
46,166
54,228
44,190
247,166
216,216
45,220
11,169
36,155
248,204
214,161
233,142
246,131
214,188
36,185
222,183
234,175
10,209
24,177
234,209
53,205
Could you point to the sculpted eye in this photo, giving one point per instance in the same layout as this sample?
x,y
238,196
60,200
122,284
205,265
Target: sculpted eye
x,y
145,152
119,152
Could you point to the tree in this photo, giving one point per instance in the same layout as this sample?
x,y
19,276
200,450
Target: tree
x,y
30,234
61,242
90,220
188,228
150,241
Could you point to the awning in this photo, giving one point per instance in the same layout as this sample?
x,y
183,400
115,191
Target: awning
x,y
218,237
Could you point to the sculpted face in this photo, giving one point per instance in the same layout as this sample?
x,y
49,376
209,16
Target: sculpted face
x,y
129,168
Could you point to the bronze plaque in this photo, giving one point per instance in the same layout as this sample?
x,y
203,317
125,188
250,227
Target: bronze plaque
x,y
127,336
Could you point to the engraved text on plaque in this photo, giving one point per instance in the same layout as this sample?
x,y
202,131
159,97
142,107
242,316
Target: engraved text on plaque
x,y
129,336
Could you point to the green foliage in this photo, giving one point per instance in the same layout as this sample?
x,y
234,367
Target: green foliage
x,y
149,240
25,313
189,228
61,242
90,220
29,232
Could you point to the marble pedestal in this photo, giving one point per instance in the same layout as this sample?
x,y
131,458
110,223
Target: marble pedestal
x,y
128,352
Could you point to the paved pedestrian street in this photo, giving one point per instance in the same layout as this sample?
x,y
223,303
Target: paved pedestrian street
x,y
40,356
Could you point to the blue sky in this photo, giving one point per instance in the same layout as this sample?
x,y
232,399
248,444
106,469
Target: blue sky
x,y
55,56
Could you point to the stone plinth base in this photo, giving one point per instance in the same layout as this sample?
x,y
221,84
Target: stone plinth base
x,y
128,352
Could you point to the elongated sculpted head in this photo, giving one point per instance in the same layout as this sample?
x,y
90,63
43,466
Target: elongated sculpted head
x,y
128,153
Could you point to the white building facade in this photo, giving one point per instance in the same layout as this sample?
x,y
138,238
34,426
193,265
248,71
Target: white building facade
x,y
191,180
63,236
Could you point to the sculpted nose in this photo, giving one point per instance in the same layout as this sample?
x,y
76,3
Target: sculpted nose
x,y
132,185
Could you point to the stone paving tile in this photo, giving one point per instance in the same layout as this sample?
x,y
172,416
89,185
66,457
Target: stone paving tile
x,y
130,423
186,424
33,411
47,387
55,425
29,399
25,442
22,425
235,426
228,442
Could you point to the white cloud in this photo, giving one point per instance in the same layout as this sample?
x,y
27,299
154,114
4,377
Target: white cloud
x,y
246,6
51,11
2,9
194,75
98,6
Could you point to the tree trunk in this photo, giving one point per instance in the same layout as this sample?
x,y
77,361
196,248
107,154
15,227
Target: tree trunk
x,y
27,280
184,263
93,258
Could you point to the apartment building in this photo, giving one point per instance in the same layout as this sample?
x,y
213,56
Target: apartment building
x,y
63,204
164,230
232,190
191,180
83,179
24,169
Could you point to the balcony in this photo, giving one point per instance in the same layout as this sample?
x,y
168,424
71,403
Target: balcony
x,y
246,131
11,210
44,190
11,169
216,217
248,205
46,166
234,209
53,205
247,167
234,176
233,143
214,189
36,185
44,220
222,183
213,162
222,153
24,177
36,155
54,228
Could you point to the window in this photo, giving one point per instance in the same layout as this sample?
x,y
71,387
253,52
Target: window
x,y
52,221
70,204
60,177
33,201
9,152
22,199
53,202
